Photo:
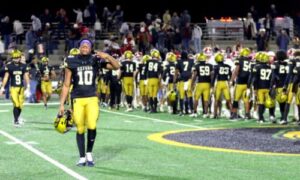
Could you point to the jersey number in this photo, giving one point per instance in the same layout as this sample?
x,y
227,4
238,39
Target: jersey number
x,y
18,79
265,74
129,68
283,69
224,71
153,67
85,77
246,66
204,70
172,70
186,65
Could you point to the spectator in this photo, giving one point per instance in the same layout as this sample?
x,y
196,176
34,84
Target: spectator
x,y
148,19
34,74
167,17
177,39
297,23
254,14
19,30
283,40
196,37
161,39
79,16
287,24
186,36
93,14
46,17
98,28
62,22
47,39
143,40
273,11
262,40
106,18
118,16
175,21
250,27
296,42
30,39
86,15
124,29
268,25
185,18
128,43
36,24
2,49
6,30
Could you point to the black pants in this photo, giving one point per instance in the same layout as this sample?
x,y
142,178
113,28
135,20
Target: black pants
x,y
115,93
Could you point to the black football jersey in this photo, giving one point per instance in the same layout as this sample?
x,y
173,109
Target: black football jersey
x,y
16,73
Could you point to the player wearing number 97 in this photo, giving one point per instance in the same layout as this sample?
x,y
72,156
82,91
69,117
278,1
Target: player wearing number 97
x,y
81,70
241,75
16,72
128,68
262,74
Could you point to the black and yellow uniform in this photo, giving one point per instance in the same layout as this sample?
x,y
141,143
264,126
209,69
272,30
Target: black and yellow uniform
x,y
102,87
46,84
169,75
153,72
203,72
279,73
262,74
142,79
184,68
127,73
204,75
222,73
84,99
16,73
115,88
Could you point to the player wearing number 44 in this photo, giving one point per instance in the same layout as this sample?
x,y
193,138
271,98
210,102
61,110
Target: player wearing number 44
x,y
82,70
16,72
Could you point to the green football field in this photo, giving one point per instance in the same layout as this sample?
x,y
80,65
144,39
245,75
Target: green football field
x,y
123,149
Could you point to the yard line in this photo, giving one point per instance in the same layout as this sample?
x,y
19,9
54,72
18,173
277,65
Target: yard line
x,y
153,119
44,156
3,111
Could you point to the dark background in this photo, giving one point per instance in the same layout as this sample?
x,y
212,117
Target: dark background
x,y
136,10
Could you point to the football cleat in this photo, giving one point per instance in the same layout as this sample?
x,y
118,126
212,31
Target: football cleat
x,y
81,162
89,160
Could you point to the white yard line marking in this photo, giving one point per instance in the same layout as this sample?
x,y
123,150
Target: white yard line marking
x,y
153,119
128,121
198,120
31,104
3,111
44,156
13,143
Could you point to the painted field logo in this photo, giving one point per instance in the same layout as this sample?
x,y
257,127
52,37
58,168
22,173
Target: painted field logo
x,y
257,140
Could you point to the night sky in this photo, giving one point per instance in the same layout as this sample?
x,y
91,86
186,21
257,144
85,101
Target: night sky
x,y
136,12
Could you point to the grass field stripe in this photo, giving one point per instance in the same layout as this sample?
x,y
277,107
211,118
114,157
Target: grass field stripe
x,y
31,104
152,119
44,156
3,111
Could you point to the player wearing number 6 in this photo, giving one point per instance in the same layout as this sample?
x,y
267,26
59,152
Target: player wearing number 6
x,y
16,72
82,70
240,76
128,71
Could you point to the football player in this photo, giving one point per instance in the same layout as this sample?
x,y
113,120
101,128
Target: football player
x,y
16,72
82,70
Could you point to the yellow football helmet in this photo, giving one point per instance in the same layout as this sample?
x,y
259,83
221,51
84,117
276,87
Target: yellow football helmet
x,y
128,55
282,97
146,58
63,123
44,59
245,52
258,56
171,57
16,54
155,53
265,58
201,57
172,95
269,103
219,58
74,52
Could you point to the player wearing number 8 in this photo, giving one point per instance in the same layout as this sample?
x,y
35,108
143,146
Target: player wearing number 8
x,y
16,72
81,70
128,69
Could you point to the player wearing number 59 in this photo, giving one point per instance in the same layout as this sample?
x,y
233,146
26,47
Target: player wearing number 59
x,y
16,72
82,70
